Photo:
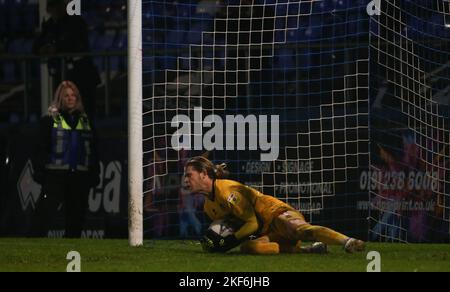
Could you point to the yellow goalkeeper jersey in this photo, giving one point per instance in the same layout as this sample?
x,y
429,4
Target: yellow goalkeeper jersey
x,y
254,209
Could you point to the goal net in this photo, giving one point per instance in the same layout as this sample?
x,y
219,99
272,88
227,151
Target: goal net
x,y
306,62
410,70
314,102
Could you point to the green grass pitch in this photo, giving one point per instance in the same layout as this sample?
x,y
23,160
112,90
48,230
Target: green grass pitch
x,y
186,256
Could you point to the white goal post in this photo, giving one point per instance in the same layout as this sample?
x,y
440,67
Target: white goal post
x,y
135,158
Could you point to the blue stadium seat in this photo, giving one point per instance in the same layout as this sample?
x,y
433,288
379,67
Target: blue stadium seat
x,y
16,46
314,30
166,62
292,35
31,17
234,2
175,39
202,17
413,27
185,11
3,20
219,56
148,64
304,58
321,7
120,44
101,43
104,42
194,35
184,63
280,36
285,59
121,41
148,61
9,72
14,118
14,16
91,17
11,69
281,9
154,9
180,24
93,35
267,2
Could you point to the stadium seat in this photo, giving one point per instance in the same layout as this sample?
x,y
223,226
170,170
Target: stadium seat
x,y
219,55
120,44
234,2
6,71
14,16
175,36
31,17
93,35
202,16
148,64
104,42
121,41
12,69
166,62
292,35
281,9
414,27
194,35
184,62
285,59
185,11
304,58
321,7
154,9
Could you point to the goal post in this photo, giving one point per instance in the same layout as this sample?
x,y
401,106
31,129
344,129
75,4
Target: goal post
x,y
135,156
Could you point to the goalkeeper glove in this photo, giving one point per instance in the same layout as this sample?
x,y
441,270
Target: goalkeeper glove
x,y
212,242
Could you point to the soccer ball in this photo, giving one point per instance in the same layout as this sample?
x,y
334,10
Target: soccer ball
x,y
222,227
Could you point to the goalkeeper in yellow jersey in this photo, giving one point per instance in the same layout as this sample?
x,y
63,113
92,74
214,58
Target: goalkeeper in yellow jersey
x,y
278,226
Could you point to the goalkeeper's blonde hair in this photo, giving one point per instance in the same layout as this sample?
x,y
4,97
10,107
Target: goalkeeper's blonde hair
x,y
202,164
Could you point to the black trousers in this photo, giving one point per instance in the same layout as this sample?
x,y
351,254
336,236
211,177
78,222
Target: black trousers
x,y
70,189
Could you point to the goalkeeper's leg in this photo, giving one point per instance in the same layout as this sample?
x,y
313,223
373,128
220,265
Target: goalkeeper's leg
x,y
297,246
261,245
273,244
292,225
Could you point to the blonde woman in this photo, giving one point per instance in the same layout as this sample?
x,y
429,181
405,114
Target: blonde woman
x,y
66,164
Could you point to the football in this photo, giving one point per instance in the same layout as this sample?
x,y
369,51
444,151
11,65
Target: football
x,y
222,227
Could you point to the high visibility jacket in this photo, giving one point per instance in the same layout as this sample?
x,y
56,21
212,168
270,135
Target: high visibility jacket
x,y
71,149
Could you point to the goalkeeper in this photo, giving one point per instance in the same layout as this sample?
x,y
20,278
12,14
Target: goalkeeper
x,y
279,226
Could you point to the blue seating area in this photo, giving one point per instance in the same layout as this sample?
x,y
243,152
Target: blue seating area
x,y
18,16
19,22
173,25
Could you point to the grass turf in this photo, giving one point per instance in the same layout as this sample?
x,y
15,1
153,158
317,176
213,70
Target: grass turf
x,y
186,256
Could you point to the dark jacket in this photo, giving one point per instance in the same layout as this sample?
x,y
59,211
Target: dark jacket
x,y
68,35
44,150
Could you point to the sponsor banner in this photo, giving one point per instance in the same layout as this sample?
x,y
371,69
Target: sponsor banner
x,y
107,212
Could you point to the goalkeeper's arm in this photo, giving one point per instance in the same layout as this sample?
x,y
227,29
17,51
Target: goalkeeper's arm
x,y
213,242
250,227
